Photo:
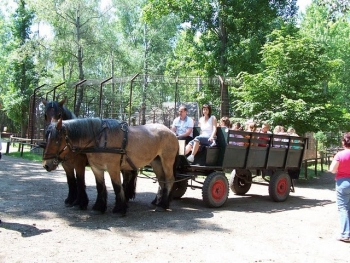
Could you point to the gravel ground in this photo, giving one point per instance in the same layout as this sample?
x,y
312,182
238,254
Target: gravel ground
x,y
37,227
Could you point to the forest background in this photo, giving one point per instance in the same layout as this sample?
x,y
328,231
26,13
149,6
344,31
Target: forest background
x,y
287,67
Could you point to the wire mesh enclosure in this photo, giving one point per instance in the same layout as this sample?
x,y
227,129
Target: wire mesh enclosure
x,y
137,99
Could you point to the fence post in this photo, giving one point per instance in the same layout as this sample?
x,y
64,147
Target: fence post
x,y
8,147
305,169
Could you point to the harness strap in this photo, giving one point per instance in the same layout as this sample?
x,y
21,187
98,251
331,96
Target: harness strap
x,y
130,162
105,149
99,150
124,128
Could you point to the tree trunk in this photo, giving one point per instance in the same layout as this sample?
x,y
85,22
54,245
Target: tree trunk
x,y
80,57
223,70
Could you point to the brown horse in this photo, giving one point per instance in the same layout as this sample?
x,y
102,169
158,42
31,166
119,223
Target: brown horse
x,y
74,167
113,146
75,164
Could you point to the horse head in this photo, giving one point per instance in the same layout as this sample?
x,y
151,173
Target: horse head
x,y
53,110
56,146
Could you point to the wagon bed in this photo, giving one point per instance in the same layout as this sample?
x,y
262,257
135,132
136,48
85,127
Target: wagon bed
x,y
275,158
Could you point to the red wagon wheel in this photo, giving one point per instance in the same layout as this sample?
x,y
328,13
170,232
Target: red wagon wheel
x,y
215,189
279,186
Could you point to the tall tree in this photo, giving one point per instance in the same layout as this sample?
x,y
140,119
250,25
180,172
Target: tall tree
x,y
291,88
4,38
326,23
149,45
226,35
74,28
22,77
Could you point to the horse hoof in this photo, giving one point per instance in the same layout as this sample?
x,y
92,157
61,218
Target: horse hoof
x,y
154,202
97,212
160,209
100,209
121,212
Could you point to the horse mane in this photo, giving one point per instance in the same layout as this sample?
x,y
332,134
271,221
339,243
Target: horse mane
x,y
89,127
67,114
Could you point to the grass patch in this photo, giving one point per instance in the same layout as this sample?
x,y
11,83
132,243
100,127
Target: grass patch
x,y
311,171
28,152
26,155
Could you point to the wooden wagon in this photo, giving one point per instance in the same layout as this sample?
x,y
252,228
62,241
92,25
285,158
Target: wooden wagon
x,y
277,159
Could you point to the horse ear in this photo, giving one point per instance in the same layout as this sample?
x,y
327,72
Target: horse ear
x,y
43,101
59,124
62,101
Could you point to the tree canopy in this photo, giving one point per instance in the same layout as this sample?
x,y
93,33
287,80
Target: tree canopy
x,y
275,64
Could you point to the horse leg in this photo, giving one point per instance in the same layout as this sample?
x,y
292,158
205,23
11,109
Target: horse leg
x,y
82,200
165,180
156,200
129,184
72,184
120,201
101,200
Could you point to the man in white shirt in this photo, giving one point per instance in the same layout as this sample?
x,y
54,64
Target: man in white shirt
x,y
183,125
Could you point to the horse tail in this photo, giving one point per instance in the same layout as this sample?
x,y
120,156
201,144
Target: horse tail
x,y
129,184
177,164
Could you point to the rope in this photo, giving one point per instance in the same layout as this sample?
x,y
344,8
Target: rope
x,y
156,180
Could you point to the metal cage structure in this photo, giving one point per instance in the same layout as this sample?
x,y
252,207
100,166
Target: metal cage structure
x,y
137,99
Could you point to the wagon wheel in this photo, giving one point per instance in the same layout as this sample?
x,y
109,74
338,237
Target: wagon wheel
x,y
179,189
279,186
215,189
240,181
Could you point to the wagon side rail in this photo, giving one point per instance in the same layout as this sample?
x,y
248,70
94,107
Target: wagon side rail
x,y
250,150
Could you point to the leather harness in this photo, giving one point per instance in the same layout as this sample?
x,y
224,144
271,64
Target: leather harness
x,y
94,149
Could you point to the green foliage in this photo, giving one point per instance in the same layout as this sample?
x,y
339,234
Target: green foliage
x,y
290,90
321,138
327,139
225,36
22,76
294,76
326,26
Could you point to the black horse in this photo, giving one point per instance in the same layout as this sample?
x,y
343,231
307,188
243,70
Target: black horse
x,y
75,163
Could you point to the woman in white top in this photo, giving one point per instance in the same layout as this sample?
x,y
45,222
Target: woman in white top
x,y
208,124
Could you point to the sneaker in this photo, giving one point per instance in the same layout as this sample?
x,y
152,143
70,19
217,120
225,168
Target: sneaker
x,y
190,158
344,239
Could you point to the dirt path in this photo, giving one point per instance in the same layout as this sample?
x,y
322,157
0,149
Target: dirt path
x,y
37,227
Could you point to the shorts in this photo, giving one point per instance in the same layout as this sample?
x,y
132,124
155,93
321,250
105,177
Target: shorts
x,y
203,140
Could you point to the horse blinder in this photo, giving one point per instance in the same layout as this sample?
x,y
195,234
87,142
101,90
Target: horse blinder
x,y
58,139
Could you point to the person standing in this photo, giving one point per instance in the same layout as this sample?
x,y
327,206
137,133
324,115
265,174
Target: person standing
x,y
341,167
0,148
183,125
208,125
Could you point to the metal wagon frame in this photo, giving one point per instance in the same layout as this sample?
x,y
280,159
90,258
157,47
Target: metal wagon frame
x,y
278,163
